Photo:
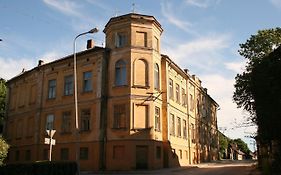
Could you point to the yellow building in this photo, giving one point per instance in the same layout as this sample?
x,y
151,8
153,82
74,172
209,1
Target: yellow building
x,y
137,108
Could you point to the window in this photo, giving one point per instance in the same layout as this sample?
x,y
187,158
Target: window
x,y
157,119
33,93
30,128
119,120
178,126
52,89
68,85
158,152
85,119
84,151
66,122
27,155
141,39
156,76
118,152
184,129
180,154
172,124
19,129
141,73
186,154
156,43
50,122
120,39
177,93
87,81
64,154
193,133
120,73
171,89
141,118
191,101
17,158
183,97
174,155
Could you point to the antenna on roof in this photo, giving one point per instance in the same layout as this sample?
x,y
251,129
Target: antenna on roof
x,y
133,8
116,12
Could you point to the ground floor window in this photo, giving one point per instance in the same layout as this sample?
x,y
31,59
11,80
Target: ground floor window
x,y
64,154
84,151
118,152
158,152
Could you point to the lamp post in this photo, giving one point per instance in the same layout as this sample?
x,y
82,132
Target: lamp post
x,y
94,30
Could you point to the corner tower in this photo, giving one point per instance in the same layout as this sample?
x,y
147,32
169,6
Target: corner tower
x,y
136,39
134,81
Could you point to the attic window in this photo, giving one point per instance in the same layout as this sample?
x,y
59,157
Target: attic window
x,y
120,39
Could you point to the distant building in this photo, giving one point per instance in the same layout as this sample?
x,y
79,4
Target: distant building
x,y
137,108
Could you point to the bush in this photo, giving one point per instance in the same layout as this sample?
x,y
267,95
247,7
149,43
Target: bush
x,y
40,168
3,150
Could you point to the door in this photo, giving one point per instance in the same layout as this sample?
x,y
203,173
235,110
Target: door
x,y
141,157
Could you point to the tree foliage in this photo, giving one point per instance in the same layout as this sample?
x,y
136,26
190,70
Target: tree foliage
x,y
254,50
223,140
265,87
3,150
242,146
3,92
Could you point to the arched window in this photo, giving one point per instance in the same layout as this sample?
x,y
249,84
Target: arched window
x,y
120,73
141,73
156,76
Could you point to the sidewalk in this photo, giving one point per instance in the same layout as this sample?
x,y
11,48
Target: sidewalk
x,y
157,171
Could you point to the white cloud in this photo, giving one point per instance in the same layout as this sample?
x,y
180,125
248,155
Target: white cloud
x,y
64,6
82,20
168,12
236,67
51,56
221,89
201,53
12,67
276,3
202,3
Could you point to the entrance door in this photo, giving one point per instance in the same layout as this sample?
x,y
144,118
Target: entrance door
x,y
141,157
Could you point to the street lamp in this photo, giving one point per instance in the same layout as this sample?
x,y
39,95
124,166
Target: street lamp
x,y
94,30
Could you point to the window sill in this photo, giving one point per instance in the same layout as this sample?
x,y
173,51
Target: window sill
x,y
86,92
141,86
141,129
120,86
66,96
84,131
119,129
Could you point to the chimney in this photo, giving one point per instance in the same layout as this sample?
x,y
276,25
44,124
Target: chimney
x,y
206,90
186,71
40,62
90,44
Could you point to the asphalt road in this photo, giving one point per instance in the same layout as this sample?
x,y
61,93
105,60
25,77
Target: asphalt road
x,y
215,168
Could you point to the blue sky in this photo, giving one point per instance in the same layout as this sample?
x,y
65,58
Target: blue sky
x,y
201,35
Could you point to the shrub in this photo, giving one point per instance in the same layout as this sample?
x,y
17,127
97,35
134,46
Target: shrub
x,y
42,168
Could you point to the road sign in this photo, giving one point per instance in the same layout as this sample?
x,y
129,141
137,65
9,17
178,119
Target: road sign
x,y
47,141
50,141
51,133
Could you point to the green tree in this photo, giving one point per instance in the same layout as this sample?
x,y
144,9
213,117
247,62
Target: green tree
x,y
3,92
265,87
242,146
3,150
254,50
224,141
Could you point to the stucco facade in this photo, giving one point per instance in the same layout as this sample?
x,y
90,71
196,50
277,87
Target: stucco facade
x,y
137,108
